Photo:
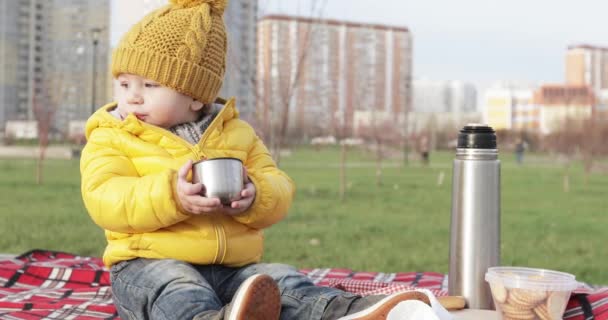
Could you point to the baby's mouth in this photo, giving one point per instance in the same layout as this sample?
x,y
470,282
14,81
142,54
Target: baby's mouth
x,y
140,116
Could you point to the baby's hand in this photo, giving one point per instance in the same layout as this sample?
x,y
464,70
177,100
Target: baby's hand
x,y
189,194
247,197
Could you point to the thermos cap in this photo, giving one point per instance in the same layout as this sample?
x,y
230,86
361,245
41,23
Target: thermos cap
x,y
477,136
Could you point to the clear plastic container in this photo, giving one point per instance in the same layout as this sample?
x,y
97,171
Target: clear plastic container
x,y
528,293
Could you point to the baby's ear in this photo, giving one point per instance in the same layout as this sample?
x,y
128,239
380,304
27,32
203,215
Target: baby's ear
x,y
196,105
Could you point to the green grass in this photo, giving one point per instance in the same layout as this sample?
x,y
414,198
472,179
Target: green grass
x,y
402,225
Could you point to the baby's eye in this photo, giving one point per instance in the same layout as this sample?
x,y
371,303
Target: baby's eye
x,y
124,85
152,85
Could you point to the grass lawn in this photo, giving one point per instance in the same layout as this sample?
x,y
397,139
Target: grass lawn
x,y
401,225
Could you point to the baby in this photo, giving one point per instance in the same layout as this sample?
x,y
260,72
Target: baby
x,y
172,253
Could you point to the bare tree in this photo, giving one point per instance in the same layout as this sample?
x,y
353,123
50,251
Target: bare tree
x,y
287,87
592,141
378,120
341,132
44,113
565,143
405,134
343,181
405,90
584,138
384,135
54,92
291,71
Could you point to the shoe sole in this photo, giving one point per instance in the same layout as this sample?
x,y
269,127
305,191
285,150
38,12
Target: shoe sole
x,y
258,298
381,309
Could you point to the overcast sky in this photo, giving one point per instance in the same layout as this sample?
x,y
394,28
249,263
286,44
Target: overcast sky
x,y
481,41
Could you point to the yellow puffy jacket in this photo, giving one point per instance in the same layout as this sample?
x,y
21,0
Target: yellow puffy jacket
x,y
129,174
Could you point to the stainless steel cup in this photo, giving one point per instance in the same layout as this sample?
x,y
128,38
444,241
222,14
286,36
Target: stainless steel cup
x,y
221,177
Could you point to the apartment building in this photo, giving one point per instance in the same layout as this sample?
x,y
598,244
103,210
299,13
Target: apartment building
x,y
52,61
239,82
587,65
546,109
560,105
511,108
443,96
324,71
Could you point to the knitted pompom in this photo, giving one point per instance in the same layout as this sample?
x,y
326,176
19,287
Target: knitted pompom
x,y
218,5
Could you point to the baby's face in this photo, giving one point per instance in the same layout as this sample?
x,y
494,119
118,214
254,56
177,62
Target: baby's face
x,y
153,103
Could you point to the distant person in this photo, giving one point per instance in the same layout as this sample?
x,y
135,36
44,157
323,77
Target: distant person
x,y
423,147
520,147
172,253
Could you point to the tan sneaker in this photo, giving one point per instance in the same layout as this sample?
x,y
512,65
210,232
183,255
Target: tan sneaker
x,y
257,298
381,309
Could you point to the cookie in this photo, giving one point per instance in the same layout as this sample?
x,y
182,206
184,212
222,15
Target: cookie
x,y
516,311
520,316
556,303
542,312
499,292
526,298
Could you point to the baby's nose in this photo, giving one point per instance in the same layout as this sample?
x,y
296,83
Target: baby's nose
x,y
135,97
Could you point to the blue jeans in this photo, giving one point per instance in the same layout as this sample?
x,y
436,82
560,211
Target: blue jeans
x,y
171,289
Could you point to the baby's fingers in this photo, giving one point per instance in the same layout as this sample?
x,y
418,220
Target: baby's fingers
x,y
248,191
198,204
245,176
192,189
183,171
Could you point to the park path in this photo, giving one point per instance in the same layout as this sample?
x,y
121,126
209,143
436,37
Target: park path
x,y
52,152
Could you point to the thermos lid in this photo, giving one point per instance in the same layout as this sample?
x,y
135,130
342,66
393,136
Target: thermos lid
x,y
477,136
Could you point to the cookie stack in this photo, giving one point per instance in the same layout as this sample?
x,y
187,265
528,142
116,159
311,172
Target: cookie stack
x,y
516,303
527,293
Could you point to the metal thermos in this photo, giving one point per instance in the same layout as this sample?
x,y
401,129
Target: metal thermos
x,y
475,221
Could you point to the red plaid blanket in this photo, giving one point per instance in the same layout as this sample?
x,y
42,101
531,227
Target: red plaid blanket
x,y
55,285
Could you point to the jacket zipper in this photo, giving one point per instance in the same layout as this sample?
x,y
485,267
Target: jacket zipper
x,y
199,154
196,151
220,234
219,228
212,125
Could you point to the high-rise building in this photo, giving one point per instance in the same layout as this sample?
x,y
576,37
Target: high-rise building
x,y
322,71
15,62
240,18
544,110
463,96
560,105
80,56
511,108
444,96
49,51
588,65
239,82
430,96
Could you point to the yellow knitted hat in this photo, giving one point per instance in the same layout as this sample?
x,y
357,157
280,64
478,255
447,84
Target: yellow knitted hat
x,y
181,46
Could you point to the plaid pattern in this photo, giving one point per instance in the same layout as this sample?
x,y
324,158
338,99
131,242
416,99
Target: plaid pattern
x,y
370,283
55,285
588,304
